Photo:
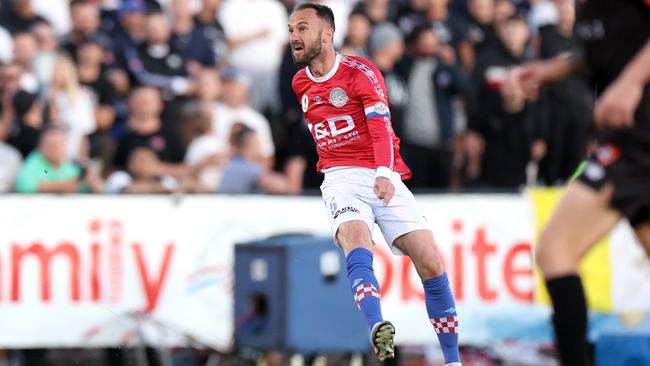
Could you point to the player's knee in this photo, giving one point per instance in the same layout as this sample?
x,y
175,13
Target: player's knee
x,y
431,269
545,252
354,234
553,255
430,265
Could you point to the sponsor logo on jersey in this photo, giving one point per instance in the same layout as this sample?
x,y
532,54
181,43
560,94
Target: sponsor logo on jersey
x,y
338,98
305,103
318,100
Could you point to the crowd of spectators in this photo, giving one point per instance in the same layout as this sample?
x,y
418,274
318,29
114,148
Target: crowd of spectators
x,y
146,96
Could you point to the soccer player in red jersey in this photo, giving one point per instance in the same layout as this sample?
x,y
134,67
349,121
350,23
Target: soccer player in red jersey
x,y
346,109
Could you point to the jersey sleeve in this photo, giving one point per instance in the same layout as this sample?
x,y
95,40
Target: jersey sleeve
x,y
370,87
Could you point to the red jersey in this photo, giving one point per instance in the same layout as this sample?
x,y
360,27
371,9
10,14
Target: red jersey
x,y
347,114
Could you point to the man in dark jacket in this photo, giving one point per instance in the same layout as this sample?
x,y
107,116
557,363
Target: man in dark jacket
x,y
504,129
435,81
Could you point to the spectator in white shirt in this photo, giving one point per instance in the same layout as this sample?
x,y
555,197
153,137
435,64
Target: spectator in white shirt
x,y
206,152
235,108
256,31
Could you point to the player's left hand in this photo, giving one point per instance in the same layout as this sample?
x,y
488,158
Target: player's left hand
x,y
616,106
384,189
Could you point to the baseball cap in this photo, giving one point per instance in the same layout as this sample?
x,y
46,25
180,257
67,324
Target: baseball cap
x,y
235,74
382,35
132,6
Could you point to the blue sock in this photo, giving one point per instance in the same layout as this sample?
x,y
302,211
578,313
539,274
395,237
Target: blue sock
x,y
364,284
442,313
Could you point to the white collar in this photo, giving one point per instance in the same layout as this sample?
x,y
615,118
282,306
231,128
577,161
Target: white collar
x,y
329,74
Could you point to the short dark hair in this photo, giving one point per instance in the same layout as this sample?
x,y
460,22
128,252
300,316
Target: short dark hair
x,y
417,31
322,11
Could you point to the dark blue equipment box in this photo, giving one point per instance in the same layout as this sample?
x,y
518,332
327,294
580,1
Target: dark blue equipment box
x,y
292,293
623,348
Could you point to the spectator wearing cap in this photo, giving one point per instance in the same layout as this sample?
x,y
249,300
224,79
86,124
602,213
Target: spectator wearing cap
x,y
356,38
386,46
132,17
245,174
235,107
49,170
189,38
431,124
257,34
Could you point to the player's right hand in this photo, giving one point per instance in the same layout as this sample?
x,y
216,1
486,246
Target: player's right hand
x,y
616,106
524,80
384,189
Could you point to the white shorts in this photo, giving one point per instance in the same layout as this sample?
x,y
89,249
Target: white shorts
x,y
348,194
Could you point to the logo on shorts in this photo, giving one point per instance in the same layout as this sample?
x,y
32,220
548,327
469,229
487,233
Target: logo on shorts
x,y
607,154
333,207
594,172
344,210
305,103
338,98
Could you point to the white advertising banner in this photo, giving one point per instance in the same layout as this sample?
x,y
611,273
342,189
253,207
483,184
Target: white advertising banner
x,y
83,271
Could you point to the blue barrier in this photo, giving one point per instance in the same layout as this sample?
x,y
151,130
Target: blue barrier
x,y
623,348
292,293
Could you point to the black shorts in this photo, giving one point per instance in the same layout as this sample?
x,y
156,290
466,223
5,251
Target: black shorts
x,y
628,169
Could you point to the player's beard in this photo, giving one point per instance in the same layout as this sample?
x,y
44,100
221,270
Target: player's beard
x,y
308,54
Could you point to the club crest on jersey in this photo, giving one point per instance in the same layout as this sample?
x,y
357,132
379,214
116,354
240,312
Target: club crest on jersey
x,y
338,98
305,103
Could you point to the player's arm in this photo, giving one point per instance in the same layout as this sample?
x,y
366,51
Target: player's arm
x,y
617,104
526,80
372,91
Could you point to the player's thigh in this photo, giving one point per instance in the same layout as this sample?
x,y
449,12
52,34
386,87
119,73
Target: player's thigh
x,y
351,219
582,217
643,233
400,217
420,246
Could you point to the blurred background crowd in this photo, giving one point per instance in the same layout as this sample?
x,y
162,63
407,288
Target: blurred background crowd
x,y
145,96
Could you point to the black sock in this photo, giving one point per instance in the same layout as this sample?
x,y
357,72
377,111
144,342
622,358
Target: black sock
x,y
569,319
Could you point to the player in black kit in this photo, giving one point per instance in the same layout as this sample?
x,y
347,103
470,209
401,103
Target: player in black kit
x,y
615,50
